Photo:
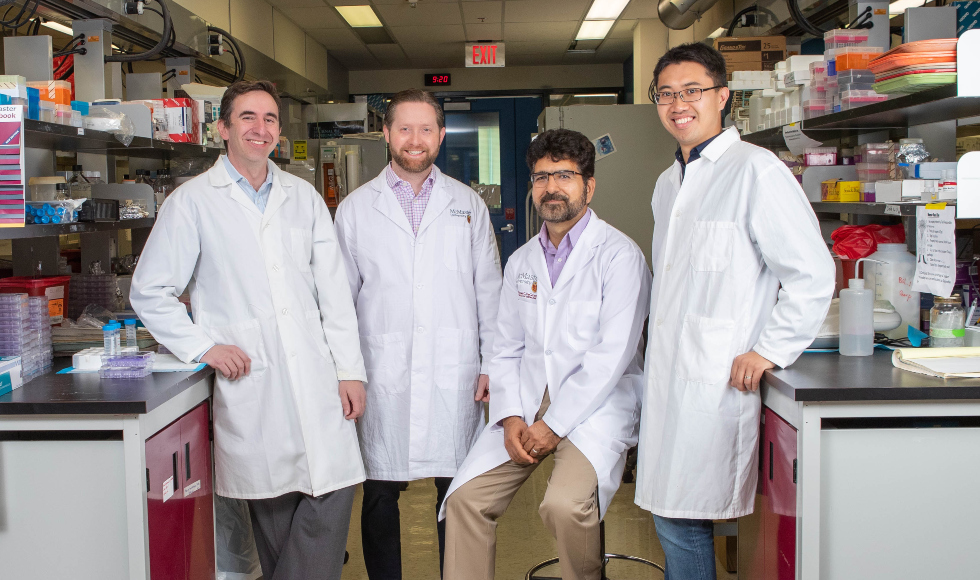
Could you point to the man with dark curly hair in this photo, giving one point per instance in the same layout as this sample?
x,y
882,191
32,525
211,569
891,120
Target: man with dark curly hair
x,y
565,374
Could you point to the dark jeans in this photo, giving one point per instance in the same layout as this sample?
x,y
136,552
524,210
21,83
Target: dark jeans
x,y
381,528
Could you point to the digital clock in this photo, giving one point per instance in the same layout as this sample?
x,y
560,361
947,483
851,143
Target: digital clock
x,y
438,80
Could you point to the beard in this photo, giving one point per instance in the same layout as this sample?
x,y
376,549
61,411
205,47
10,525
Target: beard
x,y
567,210
414,165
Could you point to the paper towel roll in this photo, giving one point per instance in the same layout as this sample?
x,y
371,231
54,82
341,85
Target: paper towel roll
x,y
353,168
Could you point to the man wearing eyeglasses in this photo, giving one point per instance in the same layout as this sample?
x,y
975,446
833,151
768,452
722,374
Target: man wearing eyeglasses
x,y
565,376
742,282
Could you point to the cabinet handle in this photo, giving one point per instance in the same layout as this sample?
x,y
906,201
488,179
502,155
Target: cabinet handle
x,y
147,480
176,476
187,460
770,461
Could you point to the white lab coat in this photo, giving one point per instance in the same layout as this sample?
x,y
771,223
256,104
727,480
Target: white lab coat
x,y
425,307
274,285
724,242
581,340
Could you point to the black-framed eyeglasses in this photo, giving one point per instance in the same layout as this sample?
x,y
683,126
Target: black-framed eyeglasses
x,y
690,95
562,177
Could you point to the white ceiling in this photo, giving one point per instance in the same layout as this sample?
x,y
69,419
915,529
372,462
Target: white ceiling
x,y
432,34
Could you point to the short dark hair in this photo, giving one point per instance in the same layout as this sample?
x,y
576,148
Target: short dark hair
x,y
562,144
238,89
712,61
414,96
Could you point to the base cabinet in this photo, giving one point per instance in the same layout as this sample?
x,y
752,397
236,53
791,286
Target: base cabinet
x,y
179,505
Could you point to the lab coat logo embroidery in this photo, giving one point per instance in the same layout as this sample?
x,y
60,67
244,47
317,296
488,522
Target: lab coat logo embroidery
x,y
462,213
527,287
468,219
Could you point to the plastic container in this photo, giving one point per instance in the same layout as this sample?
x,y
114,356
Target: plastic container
x,y
857,327
855,99
872,171
131,332
890,276
947,321
54,288
873,152
868,190
821,156
124,373
856,76
129,360
840,38
108,339
855,57
815,110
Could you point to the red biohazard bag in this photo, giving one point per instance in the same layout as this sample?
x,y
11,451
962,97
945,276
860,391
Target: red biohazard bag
x,y
853,242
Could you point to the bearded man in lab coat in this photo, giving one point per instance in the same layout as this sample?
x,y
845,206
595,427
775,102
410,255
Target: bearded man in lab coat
x,y
742,282
273,315
565,376
424,271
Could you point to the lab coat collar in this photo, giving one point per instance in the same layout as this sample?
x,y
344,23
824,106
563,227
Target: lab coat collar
x,y
218,177
386,202
439,200
583,252
722,142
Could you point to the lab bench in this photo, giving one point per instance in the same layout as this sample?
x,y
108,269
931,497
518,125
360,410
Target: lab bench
x,y
107,479
866,471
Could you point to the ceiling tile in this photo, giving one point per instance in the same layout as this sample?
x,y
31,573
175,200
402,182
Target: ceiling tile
x,y
537,48
545,10
435,55
296,3
422,15
618,49
640,9
335,38
537,31
622,29
578,58
380,2
315,17
478,32
481,12
533,59
355,57
390,55
432,34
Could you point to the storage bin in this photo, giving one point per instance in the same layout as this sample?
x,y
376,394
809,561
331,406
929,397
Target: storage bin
x,y
840,38
872,171
855,99
820,156
54,288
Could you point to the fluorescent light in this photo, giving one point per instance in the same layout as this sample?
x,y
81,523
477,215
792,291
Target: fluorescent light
x,y
594,29
59,27
359,16
596,95
721,30
900,6
606,9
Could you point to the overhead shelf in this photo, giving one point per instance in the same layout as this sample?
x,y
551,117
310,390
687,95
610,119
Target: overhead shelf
x,y
49,230
895,209
42,135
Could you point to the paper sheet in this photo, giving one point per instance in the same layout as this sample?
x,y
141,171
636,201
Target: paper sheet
x,y
795,140
935,268
950,365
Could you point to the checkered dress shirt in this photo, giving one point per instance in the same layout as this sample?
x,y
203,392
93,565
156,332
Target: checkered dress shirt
x,y
413,205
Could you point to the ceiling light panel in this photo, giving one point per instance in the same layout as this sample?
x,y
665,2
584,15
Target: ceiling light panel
x,y
606,9
900,6
59,27
359,16
594,29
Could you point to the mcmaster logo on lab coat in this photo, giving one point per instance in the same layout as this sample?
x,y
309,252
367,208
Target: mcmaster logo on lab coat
x,y
524,281
462,213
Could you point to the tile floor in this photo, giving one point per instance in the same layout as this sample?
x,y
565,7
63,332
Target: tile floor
x,y
522,539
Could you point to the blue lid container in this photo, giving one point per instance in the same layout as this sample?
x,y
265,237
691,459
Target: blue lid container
x,y
80,106
33,103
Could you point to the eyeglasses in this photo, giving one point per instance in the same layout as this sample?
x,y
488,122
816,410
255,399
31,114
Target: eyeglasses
x,y
562,178
687,95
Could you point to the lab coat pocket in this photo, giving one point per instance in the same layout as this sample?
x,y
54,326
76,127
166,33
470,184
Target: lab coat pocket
x,y
582,323
302,248
711,246
703,354
457,359
386,363
457,250
247,336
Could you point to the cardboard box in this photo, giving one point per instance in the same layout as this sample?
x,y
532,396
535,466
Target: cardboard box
x,y
888,191
751,52
10,374
181,115
849,191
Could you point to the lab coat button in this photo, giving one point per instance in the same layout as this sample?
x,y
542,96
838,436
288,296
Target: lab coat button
x,y
547,352
285,312
667,268
421,330
275,267
660,321
552,302
419,286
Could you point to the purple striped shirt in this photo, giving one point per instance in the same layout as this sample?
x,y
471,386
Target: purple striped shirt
x,y
413,205
557,257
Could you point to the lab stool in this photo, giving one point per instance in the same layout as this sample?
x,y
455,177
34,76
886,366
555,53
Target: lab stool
x,y
532,573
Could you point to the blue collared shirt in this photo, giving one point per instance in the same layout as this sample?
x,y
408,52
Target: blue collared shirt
x,y
695,154
260,197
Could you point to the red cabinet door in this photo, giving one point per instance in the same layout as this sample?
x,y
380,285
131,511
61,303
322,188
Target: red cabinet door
x,y
197,502
165,516
779,472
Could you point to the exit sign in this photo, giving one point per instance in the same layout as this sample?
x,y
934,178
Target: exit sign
x,y
484,55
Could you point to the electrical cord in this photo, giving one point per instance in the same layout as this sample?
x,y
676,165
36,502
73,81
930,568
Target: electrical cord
x,y
801,21
236,53
738,16
73,47
863,20
17,21
168,26
173,31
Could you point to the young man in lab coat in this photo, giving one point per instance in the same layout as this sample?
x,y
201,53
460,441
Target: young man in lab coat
x,y
565,377
424,271
273,315
742,282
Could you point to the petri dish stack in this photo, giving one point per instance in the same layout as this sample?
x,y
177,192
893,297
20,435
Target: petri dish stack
x,y
130,365
40,321
91,289
25,331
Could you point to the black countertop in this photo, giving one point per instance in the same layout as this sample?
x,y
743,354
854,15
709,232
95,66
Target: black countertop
x,y
830,377
87,394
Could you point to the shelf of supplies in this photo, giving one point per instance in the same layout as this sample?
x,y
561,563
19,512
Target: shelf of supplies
x,y
49,230
771,138
895,209
54,136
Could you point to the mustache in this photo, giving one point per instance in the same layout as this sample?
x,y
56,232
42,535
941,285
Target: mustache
x,y
553,197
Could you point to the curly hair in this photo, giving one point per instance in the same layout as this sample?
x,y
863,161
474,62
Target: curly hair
x,y
562,144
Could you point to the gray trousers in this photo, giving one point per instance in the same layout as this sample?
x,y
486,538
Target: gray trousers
x,y
300,537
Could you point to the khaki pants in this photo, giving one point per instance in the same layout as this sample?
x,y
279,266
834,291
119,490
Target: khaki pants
x,y
570,510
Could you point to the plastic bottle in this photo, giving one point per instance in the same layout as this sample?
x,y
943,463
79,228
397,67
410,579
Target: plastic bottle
x,y
857,326
890,277
131,333
117,337
108,339
947,186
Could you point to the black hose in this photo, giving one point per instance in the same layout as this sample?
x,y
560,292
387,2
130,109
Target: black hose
x,y
168,25
738,16
17,22
239,58
801,21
